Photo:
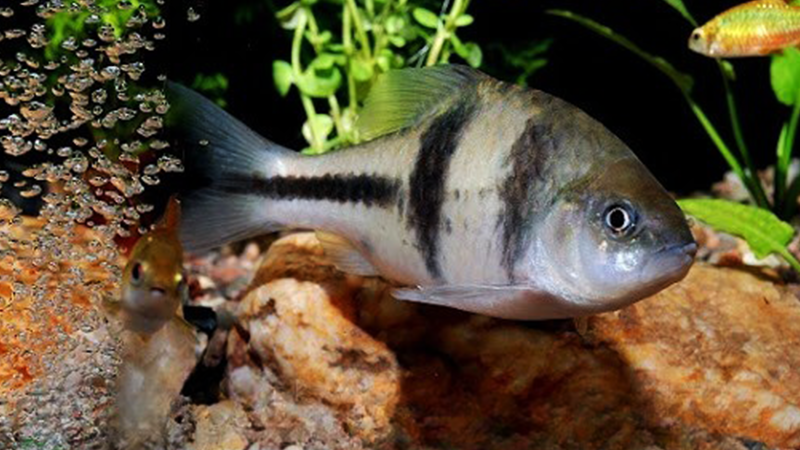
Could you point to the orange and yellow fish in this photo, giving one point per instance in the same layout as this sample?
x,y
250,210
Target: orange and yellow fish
x,y
159,346
756,28
153,284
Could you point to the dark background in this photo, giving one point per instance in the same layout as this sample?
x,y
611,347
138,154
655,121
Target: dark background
x,y
629,96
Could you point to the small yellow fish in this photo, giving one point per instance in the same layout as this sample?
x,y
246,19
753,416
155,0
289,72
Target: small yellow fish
x,y
153,283
159,346
755,28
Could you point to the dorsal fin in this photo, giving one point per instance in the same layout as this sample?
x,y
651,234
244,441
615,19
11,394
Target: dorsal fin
x,y
403,98
775,3
171,219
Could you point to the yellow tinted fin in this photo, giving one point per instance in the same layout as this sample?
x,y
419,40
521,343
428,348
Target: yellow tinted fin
x,y
344,256
404,98
172,215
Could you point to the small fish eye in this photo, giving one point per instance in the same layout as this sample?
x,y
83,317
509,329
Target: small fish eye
x,y
137,273
696,36
619,220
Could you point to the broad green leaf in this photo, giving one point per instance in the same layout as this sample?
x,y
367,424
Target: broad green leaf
x,y
362,70
397,41
319,84
678,5
762,230
474,54
682,80
395,23
464,20
282,76
323,61
785,76
426,18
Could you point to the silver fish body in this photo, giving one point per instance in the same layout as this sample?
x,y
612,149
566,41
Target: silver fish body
x,y
479,195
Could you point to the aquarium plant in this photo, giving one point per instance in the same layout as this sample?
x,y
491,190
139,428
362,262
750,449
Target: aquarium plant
x,y
333,63
761,223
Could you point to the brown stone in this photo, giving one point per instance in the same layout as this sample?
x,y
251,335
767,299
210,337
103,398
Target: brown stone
x,y
705,364
719,351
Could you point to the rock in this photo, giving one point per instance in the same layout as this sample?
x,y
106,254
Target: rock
x,y
718,351
307,332
332,361
220,427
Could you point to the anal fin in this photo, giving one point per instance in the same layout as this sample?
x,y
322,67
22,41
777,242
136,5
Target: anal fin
x,y
345,256
501,301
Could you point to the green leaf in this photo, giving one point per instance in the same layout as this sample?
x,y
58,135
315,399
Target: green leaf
x,y
397,41
362,70
426,18
323,125
727,69
395,24
320,84
474,54
282,76
459,47
678,5
289,17
762,230
785,76
682,80
464,20
323,61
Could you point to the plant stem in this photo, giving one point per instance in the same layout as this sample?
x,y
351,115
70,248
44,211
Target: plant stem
x,y
380,28
740,142
337,117
297,70
314,29
347,43
443,32
790,199
308,106
782,166
758,194
789,257
359,26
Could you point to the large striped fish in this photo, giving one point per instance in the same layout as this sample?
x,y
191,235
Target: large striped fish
x,y
473,193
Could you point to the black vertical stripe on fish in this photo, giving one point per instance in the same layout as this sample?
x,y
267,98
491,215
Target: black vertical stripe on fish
x,y
427,182
530,161
367,189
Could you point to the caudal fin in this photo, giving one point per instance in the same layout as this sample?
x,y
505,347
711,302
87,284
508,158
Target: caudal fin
x,y
222,156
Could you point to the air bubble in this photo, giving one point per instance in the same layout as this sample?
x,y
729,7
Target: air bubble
x,y
33,191
192,15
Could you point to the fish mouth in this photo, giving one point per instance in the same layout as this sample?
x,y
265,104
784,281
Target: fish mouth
x,y
668,265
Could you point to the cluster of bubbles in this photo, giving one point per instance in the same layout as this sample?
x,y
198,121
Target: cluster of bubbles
x,y
81,138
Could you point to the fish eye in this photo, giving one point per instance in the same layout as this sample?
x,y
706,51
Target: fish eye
x,y
696,36
137,273
620,220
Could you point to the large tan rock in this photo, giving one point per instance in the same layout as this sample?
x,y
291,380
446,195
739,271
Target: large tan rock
x,y
719,351
705,364
307,331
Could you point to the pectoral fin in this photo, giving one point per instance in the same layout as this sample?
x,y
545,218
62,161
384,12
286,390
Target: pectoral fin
x,y
345,256
505,302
